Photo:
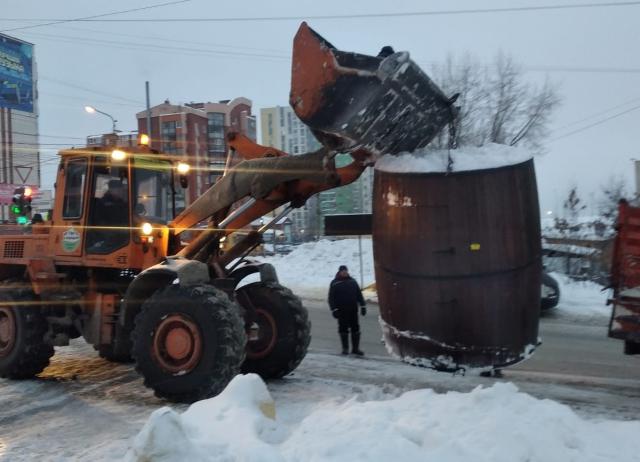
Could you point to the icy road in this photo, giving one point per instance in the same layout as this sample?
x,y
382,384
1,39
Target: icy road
x,y
84,408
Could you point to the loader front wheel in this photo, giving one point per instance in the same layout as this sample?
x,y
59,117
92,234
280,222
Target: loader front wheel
x,y
188,342
23,351
284,330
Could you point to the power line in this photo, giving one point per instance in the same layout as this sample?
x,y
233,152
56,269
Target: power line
x,y
282,57
364,15
587,127
616,70
86,18
157,38
154,47
48,94
47,136
90,90
597,114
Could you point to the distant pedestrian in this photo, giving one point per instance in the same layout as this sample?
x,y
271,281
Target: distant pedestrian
x,y
344,298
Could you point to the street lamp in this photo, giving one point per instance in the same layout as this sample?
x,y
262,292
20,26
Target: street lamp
x,y
93,110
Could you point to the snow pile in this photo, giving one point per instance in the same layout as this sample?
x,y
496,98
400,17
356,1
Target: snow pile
x,y
235,425
581,298
495,424
464,158
309,268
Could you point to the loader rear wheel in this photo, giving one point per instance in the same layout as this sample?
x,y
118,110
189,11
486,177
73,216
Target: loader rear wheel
x,y
107,352
188,342
23,351
284,330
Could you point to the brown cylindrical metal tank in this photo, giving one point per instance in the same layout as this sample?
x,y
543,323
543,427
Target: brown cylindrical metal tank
x,y
458,265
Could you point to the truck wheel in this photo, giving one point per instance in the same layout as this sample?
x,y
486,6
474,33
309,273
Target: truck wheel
x,y
23,351
107,352
188,342
284,331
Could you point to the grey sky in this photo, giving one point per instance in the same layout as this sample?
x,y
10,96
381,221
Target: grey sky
x,y
106,63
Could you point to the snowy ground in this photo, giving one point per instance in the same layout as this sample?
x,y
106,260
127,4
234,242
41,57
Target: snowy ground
x,y
83,408
581,299
331,408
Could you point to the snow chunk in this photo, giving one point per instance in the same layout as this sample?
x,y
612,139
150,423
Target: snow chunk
x,y
464,159
238,424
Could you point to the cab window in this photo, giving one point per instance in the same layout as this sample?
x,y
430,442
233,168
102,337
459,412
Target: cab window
x,y
152,190
75,177
109,217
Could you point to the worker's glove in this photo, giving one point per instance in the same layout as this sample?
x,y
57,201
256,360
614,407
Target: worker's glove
x,y
335,313
363,310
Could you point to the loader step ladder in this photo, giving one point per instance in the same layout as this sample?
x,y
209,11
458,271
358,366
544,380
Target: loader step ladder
x,y
625,279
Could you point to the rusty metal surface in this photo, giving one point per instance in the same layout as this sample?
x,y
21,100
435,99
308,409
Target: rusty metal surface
x,y
458,265
355,102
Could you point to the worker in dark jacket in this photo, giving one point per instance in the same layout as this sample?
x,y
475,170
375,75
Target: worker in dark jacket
x,y
344,298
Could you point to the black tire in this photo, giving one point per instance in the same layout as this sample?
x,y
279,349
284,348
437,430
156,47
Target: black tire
x,y
23,351
280,352
546,303
216,326
107,352
631,347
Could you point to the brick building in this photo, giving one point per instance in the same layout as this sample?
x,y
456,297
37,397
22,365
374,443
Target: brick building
x,y
197,131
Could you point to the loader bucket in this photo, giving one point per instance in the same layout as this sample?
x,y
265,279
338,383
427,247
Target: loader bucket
x,y
381,104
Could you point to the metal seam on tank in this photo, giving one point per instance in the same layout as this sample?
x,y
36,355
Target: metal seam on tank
x,y
460,276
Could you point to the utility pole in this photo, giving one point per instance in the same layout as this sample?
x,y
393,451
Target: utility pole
x,y
146,87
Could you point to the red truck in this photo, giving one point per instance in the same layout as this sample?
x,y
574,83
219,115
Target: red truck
x,y
625,279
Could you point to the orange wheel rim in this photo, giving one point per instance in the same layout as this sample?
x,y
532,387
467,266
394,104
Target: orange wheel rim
x,y
7,331
267,335
177,344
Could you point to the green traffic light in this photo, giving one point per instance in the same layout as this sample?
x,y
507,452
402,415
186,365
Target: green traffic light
x,y
22,220
15,209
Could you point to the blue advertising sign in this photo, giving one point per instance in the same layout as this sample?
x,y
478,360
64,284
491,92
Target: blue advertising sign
x,y
16,74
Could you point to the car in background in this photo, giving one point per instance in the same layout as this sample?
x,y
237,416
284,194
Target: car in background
x,y
550,292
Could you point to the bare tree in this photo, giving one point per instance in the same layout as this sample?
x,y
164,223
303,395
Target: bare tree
x,y
465,77
496,103
573,205
611,192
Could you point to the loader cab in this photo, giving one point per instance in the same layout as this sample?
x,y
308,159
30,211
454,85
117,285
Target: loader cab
x,y
112,206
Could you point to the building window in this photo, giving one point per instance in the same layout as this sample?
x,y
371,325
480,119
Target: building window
x,y
169,137
215,132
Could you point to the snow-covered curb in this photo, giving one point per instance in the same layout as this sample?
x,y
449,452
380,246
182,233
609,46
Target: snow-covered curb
x,y
487,424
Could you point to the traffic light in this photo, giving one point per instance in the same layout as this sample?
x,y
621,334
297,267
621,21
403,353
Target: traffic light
x,y
21,206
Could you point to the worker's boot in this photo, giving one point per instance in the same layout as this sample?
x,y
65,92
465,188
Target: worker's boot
x,y
355,344
344,338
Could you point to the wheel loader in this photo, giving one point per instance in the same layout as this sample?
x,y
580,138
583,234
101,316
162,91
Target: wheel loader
x,y
112,263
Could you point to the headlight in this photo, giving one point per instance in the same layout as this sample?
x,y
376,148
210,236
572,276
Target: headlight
x,y
118,155
183,168
146,229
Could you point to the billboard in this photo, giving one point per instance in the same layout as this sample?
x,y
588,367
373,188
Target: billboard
x,y
16,74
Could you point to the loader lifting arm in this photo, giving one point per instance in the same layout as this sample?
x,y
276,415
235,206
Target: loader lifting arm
x,y
268,176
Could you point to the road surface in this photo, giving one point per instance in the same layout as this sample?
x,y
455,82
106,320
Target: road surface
x,y
568,347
